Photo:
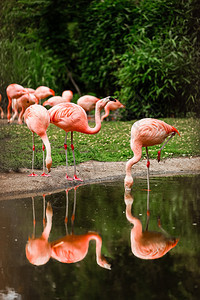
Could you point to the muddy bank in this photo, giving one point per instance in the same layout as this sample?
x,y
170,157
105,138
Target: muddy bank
x,y
17,185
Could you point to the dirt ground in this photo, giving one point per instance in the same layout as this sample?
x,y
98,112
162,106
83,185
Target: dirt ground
x,y
17,185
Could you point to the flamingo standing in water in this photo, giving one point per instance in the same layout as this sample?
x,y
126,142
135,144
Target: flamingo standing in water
x,y
111,106
14,91
72,117
37,119
88,102
1,109
66,97
146,132
147,244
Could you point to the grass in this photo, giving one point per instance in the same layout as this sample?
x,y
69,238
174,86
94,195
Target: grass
x,y
112,143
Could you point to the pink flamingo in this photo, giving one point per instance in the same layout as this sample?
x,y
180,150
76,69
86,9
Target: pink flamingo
x,y
14,91
66,97
43,92
1,109
72,117
21,104
38,250
73,248
37,119
147,244
88,102
111,106
144,133
16,106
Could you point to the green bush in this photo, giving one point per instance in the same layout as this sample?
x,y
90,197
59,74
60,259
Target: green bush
x,y
28,67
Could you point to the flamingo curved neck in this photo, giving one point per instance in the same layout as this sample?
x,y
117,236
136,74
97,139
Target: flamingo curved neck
x,y
97,121
47,229
136,232
97,238
47,145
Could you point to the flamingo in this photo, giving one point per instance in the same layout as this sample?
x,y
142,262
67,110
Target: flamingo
x,y
147,244
37,119
1,109
22,103
72,117
73,248
14,91
43,92
38,250
87,102
66,97
16,106
111,106
70,248
146,132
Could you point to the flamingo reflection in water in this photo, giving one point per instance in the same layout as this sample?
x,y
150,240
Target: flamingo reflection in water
x,y
38,250
68,249
147,244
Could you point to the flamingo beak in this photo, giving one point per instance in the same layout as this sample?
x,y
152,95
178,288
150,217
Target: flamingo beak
x,y
112,99
52,91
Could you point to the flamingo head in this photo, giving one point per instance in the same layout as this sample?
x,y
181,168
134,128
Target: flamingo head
x,y
48,164
102,262
102,102
128,182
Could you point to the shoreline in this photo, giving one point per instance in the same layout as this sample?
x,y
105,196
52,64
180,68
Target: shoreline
x,y
18,184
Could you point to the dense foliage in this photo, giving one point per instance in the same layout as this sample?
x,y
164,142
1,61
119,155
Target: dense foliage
x,y
146,53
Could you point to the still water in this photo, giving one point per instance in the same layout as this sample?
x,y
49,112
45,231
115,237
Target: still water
x,y
91,229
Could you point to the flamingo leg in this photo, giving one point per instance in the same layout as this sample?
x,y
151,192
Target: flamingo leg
x,y
2,113
65,146
20,119
148,165
14,109
72,147
8,108
148,211
33,206
33,174
44,174
159,152
73,213
162,229
66,212
44,222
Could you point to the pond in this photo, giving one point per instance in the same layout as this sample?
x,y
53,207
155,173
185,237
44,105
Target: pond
x,y
103,215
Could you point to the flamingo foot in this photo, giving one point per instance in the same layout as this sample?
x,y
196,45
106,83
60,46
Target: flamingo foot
x,y
76,178
69,178
32,174
45,175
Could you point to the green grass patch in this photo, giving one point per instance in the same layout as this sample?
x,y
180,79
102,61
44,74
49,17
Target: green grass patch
x,y
112,143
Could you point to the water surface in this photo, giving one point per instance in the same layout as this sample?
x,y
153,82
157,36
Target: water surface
x,y
100,208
